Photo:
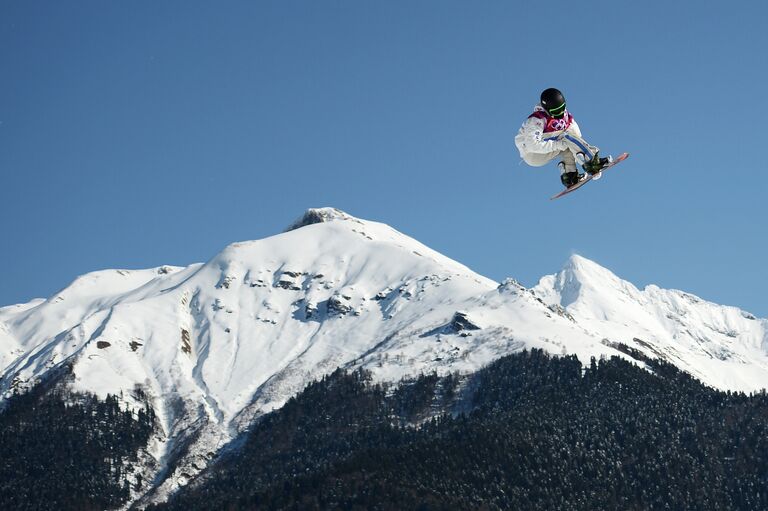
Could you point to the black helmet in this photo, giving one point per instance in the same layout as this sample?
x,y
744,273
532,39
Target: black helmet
x,y
553,101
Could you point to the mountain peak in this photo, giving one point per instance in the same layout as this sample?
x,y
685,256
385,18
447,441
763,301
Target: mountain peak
x,y
585,271
580,263
317,216
581,280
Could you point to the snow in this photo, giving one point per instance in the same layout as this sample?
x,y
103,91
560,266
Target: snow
x,y
723,346
218,343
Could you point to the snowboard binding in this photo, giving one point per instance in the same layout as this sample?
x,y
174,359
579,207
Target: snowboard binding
x,y
596,164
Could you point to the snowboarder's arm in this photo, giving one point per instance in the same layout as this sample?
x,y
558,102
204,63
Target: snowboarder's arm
x,y
531,138
574,128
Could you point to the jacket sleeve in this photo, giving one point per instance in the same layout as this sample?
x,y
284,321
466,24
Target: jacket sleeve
x,y
530,138
574,128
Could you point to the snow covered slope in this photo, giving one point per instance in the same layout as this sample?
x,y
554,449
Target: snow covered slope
x,y
724,347
215,344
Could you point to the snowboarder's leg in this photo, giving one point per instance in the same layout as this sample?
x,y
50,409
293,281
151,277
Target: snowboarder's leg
x,y
539,159
568,160
584,153
569,173
579,146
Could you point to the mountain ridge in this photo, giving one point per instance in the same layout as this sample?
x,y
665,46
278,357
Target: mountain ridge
x,y
214,345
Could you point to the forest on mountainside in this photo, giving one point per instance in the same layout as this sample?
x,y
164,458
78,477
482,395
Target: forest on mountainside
x,y
68,451
538,432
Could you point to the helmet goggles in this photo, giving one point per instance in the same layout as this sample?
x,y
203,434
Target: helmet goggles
x,y
557,112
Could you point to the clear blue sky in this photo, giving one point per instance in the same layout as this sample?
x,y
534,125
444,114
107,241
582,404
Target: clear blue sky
x,y
135,134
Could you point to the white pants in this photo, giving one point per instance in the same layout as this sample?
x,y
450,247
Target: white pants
x,y
576,144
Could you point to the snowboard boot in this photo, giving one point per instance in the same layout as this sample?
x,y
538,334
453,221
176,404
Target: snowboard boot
x,y
596,164
570,178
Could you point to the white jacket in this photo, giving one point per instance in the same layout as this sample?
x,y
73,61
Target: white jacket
x,y
532,137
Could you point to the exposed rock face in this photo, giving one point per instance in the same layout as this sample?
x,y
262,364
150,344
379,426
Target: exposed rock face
x,y
318,215
338,305
290,280
462,323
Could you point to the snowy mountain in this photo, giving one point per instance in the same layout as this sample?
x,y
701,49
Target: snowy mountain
x,y
722,346
214,345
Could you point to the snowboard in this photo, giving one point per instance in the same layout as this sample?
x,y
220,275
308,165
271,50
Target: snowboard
x,y
587,177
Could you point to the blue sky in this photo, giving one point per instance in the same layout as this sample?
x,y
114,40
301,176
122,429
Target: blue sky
x,y
135,134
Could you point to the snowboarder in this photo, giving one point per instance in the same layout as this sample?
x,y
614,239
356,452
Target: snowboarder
x,y
551,132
